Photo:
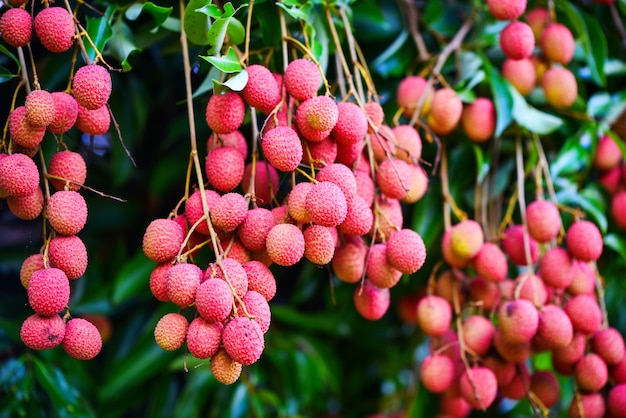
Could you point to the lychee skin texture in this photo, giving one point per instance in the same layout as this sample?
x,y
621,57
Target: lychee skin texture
x,y
437,373
224,169
260,279
257,306
479,120
593,406
302,79
225,369
229,212
39,106
214,300
557,43
348,263
521,74
584,241
326,204
491,263
225,112
42,332
261,91
319,154
194,209
182,281
93,122
394,178
518,321
467,239
54,27
555,328
517,40
68,253
170,332
544,220
406,251
513,246
92,86
67,212
23,133
560,87
66,112
585,314
319,244
27,207
591,373
616,402
478,333
235,139
243,340
254,229
282,148
285,244
483,392
235,272
30,265
410,90
82,339
359,219
16,27
608,344
19,176
48,291
342,176
434,315
68,165
162,240
371,302
556,268
351,126
507,9
608,155
379,272
204,338
545,385
445,111
158,281
408,145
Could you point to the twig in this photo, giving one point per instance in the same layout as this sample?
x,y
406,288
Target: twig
x,y
413,24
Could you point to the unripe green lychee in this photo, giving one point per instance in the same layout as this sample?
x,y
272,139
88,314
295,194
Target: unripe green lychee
x,y
214,300
48,291
261,90
282,148
224,169
54,27
467,239
91,86
521,74
479,119
66,112
371,302
225,112
319,244
434,315
359,219
67,212
93,122
27,207
23,133
544,220
445,111
302,79
554,329
585,314
203,338
560,87
42,332
608,344
170,331
260,279
592,405
518,321
68,253
410,89
437,373
517,40
82,339
243,340
591,373
285,244
479,387
231,271
229,211
16,27
162,240
351,126
378,270
266,181
584,241
557,43
490,262
67,165
158,281
30,265
257,307
19,176
406,251
182,281
326,204
225,369
513,246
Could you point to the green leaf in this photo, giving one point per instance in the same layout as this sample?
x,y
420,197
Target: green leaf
x,y
228,63
132,278
617,243
159,13
197,22
65,397
530,118
122,44
590,200
502,97
6,75
237,82
296,10
207,83
100,32
9,54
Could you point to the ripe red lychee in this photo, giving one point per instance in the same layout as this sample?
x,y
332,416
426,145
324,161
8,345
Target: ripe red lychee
x,y
68,253
257,307
513,353
560,87
532,288
359,219
319,244
261,90
585,314
82,339
214,300
584,241
351,126
48,291
225,112
285,244
611,180
608,344
375,114
162,240
616,402
478,333
254,229
321,113
260,279
54,27
591,373
479,119
406,251
326,204
517,40
554,329
158,281
546,387
503,370
608,155
592,405
23,133
181,283
204,338
348,263
557,43
282,148
513,245
305,129
42,332
235,139
66,112
194,209
394,178
229,211
618,372
91,86
233,248
518,321
224,169
27,207
16,27
437,373
31,264
537,18
544,220
445,111
378,270
556,268
68,165
583,279
565,357
320,154
371,302
342,176
408,144
225,369
19,175
479,387
490,262
296,202
434,315
67,212
521,74
409,92
266,181
93,122
302,79
170,331
243,340
418,185
507,9
231,271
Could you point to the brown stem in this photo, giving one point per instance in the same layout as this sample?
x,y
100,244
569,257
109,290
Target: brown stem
x,y
412,18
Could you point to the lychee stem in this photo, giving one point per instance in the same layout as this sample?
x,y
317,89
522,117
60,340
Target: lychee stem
x,y
412,17
119,136
22,82
349,36
246,53
601,301
82,186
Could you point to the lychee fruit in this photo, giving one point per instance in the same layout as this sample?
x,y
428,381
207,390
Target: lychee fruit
x,y
230,271
39,108
342,176
68,165
243,340
521,74
19,176
546,387
544,220
48,291
406,251
410,90
445,111
434,315
556,268
375,114
592,405
591,373
557,43
93,122
66,112
484,291
351,126
491,263
296,202
319,154
181,283
378,270
54,27
229,211
616,401
326,204
194,210
503,370
23,133
371,302
302,79
450,256
437,373
68,253
319,244
254,229
82,339
359,219
554,329
225,369
584,241
608,154
282,148
478,333
585,314
560,87
285,244
261,90
170,332
507,9
214,300
91,86
513,246
608,343
532,288
235,139
513,353
260,279
204,338
321,113
31,264
467,239
162,240
394,177
266,181
257,307
67,212
583,279
517,40
158,281
517,388
479,387
224,169
16,27
518,321
27,207
479,119
348,263
225,112
42,332
564,357
537,19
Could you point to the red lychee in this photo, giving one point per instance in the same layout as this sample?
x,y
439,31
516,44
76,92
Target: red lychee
x,y
359,219
479,387
82,339
409,92
229,211
394,178
68,253
203,338
231,271
302,79
257,307
67,212
518,321
243,340
91,86
491,263
513,245
48,291
406,251
371,302
23,133
506,9
434,315
225,112
235,139
478,332
225,369
557,43
54,27
39,107
224,169
591,373
285,244
608,155
517,40
554,329
319,244
608,344
321,113
162,240
378,270
19,176
521,74
182,281
261,90
348,263
260,279
445,111
616,402
42,332
214,300
584,241
170,331
66,112
93,122
27,207
544,220
479,119
16,27
592,405
282,148
437,373
556,268
326,204
31,264
158,281
254,229
351,126
67,165
585,314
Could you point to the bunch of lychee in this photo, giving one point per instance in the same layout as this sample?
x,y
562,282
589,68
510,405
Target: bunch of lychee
x,y
485,326
609,161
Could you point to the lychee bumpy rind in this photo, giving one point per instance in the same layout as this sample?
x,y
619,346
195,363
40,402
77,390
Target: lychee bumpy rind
x,y
282,148
234,271
285,244
371,302
225,112
243,340
319,244
91,86
560,87
557,43
342,176
378,270
491,263
254,229
68,165
27,207
194,209
225,369
67,212
68,253
394,178
82,339
296,202
359,219
544,220
479,119
434,315
23,133
19,176
518,321
482,392
224,168
42,332
326,204
467,239
261,91
54,27
406,251
182,281
31,264
229,212
351,126
260,279
162,240
584,241
517,40
302,79
48,291
437,373
203,338
257,307
16,27
158,281
214,300
506,9
585,314
170,331
321,113
39,106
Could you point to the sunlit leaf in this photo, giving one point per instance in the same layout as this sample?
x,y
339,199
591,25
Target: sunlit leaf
x,y
196,22
530,118
122,45
228,63
502,97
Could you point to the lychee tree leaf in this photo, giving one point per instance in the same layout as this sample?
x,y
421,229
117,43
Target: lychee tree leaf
x,y
616,243
196,22
6,74
228,63
296,10
122,44
502,98
11,55
531,118
159,13
132,277
64,396
236,82
100,32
